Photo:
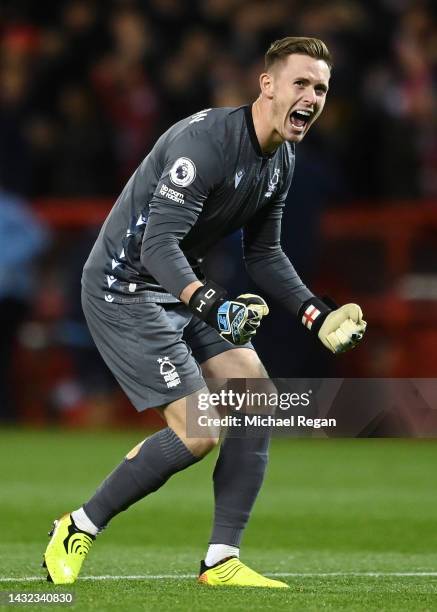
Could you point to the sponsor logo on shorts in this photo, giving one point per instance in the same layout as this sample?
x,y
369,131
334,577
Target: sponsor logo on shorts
x,y
171,194
183,172
168,371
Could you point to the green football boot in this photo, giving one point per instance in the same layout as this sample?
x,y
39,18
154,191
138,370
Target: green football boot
x,y
231,572
66,551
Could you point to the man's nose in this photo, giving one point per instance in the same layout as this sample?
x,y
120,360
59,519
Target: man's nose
x,y
310,96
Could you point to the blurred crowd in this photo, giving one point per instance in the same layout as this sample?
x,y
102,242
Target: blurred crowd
x,y
87,85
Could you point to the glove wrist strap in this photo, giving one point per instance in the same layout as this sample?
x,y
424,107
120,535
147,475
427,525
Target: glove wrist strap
x,y
313,312
206,300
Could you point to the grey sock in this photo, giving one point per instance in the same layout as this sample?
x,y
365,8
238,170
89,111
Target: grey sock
x,y
238,476
160,456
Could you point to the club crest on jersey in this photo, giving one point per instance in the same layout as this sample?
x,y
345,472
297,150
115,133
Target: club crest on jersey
x,y
183,172
273,183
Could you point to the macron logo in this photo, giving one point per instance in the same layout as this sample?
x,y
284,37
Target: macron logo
x,y
238,176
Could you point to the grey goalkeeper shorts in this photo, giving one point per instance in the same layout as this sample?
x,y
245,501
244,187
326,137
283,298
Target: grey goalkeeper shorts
x,y
153,350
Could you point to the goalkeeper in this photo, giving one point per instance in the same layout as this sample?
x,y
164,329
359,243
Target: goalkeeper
x,y
162,328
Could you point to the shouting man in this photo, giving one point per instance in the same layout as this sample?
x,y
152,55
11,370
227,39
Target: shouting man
x,y
162,328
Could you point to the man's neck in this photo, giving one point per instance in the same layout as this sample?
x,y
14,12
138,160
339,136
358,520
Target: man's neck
x,y
268,138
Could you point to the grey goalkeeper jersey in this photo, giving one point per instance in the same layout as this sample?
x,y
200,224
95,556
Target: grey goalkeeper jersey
x,y
205,178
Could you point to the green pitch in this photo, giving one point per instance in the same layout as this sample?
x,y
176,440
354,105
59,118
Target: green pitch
x,y
349,524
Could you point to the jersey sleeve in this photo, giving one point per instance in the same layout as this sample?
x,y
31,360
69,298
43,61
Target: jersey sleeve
x,y
193,168
266,262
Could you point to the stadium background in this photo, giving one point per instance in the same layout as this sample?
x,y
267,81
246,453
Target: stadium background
x,y
85,89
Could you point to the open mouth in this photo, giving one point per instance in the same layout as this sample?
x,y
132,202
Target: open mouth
x,y
299,118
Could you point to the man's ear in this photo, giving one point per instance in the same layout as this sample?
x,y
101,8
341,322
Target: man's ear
x,y
267,84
